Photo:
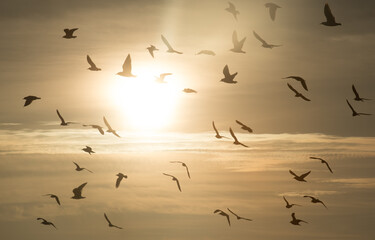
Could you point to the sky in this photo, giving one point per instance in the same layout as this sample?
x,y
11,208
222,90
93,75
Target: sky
x,y
159,123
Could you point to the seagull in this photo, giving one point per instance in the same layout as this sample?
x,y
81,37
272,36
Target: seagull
x,y
78,168
184,165
300,178
272,8
100,129
109,222
29,100
54,196
296,221
69,33
127,68
315,200
238,217
264,43
236,142
218,136
160,79
45,222
244,127
170,49
92,67
151,50
289,205
120,177
207,52
354,113
174,179
357,98
78,191
232,10
299,79
189,90
237,45
63,123
228,78
298,94
324,162
223,214
110,129
331,22
88,150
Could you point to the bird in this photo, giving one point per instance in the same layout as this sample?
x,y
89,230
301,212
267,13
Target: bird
x,y
315,200
299,79
296,221
127,68
120,177
218,136
110,129
78,191
330,19
189,90
151,50
222,213
92,67
357,97
354,113
300,178
78,168
63,123
206,52
88,150
237,45
45,222
184,165
324,162
160,79
236,142
298,94
289,205
228,78
272,9
244,127
232,10
238,217
69,33
174,179
100,128
170,49
264,43
109,222
53,196
29,100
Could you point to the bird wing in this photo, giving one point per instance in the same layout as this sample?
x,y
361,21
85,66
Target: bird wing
x,y
243,144
57,199
235,38
232,133
259,38
309,196
73,30
355,91
272,10
151,51
217,210
303,82
226,215
328,13
291,172
66,30
100,130
39,218
76,165
162,76
294,216
78,190
187,170
323,203
166,43
88,170
115,133
231,6
351,106
178,184
127,66
213,125
168,175
316,158
226,71
118,181
92,64
106,218
291,88
240,123
232,212
61,118
304,98
28,101
286,200
107,124
305,174
329,168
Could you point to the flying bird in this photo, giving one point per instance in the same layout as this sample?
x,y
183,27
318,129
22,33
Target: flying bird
x,y
109,222
100,129
78,191
354,113
289,205
357,97
127,68
244,127
45,222
236,142
78,168
296,221
222,213
315,200
238,217
228,78
300,178
170,48
110,129
331,22
151,50
218,136
69,33
63,123
237,45
54,196
120,176
92,67
88,150
189,90
264,43
174,179
272,9
160,79
29,100
324,162
206,52
232,10
298,94
184,165
299,79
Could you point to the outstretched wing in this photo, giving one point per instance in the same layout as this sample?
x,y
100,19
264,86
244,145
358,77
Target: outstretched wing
x,y
118,181
76,165
166,43
232,212
226,71
328,13
57,199
350,106
127,66
304,98
106,218
78,190
107,124
232,133
291,172
259,38
178,184
305,174
213,125
329,168
92,64
292,88
61,118
286,200
316,158
355,91
168,175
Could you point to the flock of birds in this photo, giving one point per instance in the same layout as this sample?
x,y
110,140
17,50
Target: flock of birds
x,y
228,78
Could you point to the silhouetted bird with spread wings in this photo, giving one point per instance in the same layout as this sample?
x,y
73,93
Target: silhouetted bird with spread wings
x,y
45,222
272,9
151,50
224,214
288,205
296,221
237,45
110,129
300,178
315,200
109,222
228,78
330,19
299,79
160,79
236,142
63,123
232,9
54,196
354,113
357,97
78,168
69,33
170,48
174,179
29,100
238,217
218,136
206,52
127,68
92,67
184,165
120,176
189,90
78,191
323,161
88,150
298,94
244,127
264,43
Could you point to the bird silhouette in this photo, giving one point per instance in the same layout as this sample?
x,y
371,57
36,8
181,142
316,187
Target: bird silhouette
x,y
78,191
315,200
69,33
92,67
100,128
238,217
160,79
127,68
78,168
174,179
222,213
264,43
109,222
244,127
300,178
88,150
228,78
206,52
54,196
272,9
298,94
29,100
357,97
354,113
324,162
45,222
236,142
184,165
232,10
330,19
289,205
237,45
299,79
296,221
151,50
120,176
189,90
218,136
63,123
110,129
170,48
